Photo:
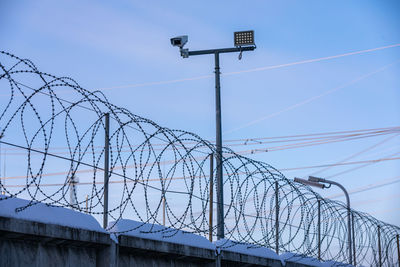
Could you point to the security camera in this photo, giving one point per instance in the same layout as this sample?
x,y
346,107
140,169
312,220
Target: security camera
x,y
179,41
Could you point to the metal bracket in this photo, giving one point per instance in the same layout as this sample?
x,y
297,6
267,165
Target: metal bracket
x,y
240,53
184,53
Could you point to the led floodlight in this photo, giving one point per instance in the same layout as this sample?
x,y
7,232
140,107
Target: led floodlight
x,y
244,38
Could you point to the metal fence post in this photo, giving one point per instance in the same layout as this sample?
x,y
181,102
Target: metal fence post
x,y
210,219
276,218
163,206
319,229
106,165
86,206
379,246
398,249
354,240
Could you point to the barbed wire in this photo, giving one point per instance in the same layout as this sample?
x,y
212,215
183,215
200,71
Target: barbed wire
x,y
261,206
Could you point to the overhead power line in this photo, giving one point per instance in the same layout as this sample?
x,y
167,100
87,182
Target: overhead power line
x,y
264,140
358,167
256,139
310,143
57,155
358,153
172,178
341,164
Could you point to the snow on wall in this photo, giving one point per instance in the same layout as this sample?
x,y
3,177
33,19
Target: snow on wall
x,y
335,264
292,257
40,212
248,249
159,232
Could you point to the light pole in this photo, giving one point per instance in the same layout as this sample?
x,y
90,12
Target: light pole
x,y
321,183
3,191
244,41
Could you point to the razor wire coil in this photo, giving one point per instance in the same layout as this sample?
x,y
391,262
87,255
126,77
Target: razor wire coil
x,y
144,176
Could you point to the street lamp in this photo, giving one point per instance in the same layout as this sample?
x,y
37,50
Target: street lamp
x,y
323,183
244,41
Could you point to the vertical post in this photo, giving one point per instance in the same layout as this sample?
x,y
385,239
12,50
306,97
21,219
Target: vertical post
x,y
398,249
349,235
220,183
4,170
163,205
379,246
87,198
350,247
315,181
218,260
106,163
163,196
1,178
354,240
210,219
276,218
319,229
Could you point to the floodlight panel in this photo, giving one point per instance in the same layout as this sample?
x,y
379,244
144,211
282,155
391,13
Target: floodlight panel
x,y
244,38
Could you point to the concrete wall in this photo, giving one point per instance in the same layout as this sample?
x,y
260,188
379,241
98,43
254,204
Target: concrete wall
x,y
26,243
236,259
135,251
295,264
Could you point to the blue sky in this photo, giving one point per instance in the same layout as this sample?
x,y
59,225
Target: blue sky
x,y
103,44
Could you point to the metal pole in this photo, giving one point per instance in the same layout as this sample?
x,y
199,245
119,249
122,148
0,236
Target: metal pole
x,y
379,246
163,202
220,184
354,240
4,170
348,218
106,162
349,227
398,249
276,218
1,178
210,219
87,196
315,181
219,170
319,229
